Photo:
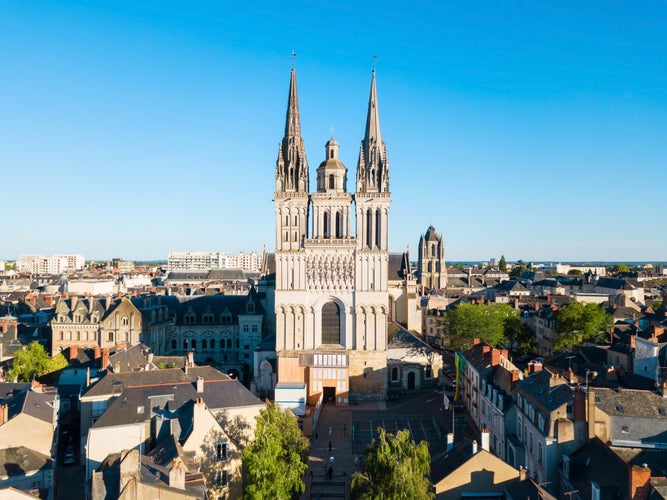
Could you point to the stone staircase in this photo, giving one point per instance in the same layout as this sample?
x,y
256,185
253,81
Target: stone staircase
x,y
336,487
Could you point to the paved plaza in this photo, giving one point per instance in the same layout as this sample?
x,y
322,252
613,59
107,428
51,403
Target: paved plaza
x,y
342,433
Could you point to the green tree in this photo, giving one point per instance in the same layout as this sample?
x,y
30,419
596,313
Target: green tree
x,y
519,335
469,321
620,268
394,467
33,361
577,323
275,461
575,272
518,269
502,265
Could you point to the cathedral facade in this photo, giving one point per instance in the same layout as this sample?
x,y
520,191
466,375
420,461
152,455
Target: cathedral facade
x,y
331,295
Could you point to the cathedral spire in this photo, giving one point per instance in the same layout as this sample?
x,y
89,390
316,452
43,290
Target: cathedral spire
x,y
373,166
291,166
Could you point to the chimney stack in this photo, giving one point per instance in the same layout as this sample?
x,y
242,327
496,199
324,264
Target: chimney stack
x,y
73,351
200,385
191,358
4,413
495,357
591,412
474,447
523,473
177,474
486,439
97,352
640,482
105,359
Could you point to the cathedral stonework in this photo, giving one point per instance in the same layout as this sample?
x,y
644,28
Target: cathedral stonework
x,y
332,260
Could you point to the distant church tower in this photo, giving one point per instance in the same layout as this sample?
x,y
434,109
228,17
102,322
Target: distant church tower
x,y
431,268
331,284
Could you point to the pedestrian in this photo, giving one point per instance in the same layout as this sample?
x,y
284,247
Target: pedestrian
x,y
329,446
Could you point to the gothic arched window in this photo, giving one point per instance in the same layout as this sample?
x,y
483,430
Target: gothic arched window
x,y
332,182
394,374
326,225
331,323
378,229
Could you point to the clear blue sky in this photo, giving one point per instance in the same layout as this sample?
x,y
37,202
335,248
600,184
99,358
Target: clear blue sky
x,y
537,130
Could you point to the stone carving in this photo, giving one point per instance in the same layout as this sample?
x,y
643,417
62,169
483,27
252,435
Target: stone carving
x,y
330,271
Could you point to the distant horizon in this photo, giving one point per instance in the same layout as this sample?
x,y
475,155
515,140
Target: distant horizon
x,y
518,129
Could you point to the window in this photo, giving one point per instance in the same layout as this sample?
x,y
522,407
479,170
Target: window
x,y
332,182
229,343
222,477
204,344
254,328
539,452
110,337
221,450
173,344
245,328
625,429
331,323
212,343
194,343
394,374
428,372
125,321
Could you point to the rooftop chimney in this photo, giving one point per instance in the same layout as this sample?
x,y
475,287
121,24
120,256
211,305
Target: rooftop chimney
x,y
495,357
97,352
4,413
640,482
104,364
177,474
486,439
523,473
474,447
73,351
200,385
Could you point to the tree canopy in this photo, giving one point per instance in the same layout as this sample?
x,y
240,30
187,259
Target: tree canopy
x,y
579,323
33,361
502,264
394,467
488,323
275,461
518,269
620,268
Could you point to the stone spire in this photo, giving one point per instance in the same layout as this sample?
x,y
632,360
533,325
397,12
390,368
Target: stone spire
x,y
373,166
292,166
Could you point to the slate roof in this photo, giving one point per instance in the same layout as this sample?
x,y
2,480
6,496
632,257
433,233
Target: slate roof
x,y
537,386
615,283
129,359
20,461
216,304
19,398
631,403
139,404
527,489
395,266
115,383
656,459
403,339
595,461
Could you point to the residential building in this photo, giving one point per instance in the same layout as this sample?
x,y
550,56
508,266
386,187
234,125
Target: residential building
x,y
205,261
546,424
411,363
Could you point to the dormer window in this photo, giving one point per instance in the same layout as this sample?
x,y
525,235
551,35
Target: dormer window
x,y
190,318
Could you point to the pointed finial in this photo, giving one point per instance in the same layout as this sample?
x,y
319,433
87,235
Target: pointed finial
x,y
374,58
332,131
293,58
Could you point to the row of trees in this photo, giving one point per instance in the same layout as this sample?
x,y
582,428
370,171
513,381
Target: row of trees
x,y
500,325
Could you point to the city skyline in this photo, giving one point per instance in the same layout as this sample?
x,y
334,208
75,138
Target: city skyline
x,y
512,129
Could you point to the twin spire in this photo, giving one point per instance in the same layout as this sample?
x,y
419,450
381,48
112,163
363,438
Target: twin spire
x,y
292,167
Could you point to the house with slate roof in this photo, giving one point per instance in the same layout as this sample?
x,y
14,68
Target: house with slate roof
x,y
546,424
210,419
28,417
129,475
488,382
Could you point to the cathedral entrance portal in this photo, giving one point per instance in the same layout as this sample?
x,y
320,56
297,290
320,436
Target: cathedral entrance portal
x,y
329,395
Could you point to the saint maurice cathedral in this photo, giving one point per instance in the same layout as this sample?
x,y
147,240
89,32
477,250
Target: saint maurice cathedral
x,y
332,297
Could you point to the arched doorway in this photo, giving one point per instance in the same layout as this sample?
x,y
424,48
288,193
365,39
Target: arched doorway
x,y
411,381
